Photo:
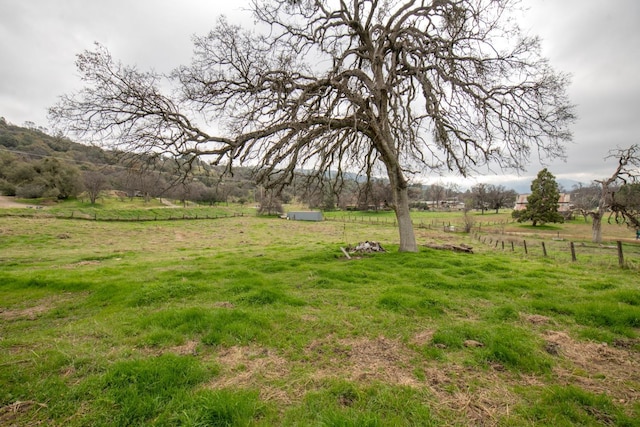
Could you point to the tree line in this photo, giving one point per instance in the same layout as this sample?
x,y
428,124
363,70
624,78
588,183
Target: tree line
x,y
35,164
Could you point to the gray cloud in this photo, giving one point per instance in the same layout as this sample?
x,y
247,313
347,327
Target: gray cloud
x,y
596,41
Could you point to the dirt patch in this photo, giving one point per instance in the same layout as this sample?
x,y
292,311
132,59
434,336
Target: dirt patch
x,y
423,338
9,202
29,313
40,307
188,348
481,398
537,319
223,304
248,367
363,360
82,264
597,367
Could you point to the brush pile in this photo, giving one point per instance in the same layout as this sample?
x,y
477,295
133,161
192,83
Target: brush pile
x,y
366,247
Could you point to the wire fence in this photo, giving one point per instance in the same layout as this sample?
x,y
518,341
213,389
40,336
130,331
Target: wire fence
x,y
625,254
432,224
110,216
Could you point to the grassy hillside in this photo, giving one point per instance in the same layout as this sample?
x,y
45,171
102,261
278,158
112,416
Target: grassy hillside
x,y
254,321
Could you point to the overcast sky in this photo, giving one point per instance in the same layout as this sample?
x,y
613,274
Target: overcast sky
x,y
596,41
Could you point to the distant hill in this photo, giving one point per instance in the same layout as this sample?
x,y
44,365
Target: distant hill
x,y
33,142
34,164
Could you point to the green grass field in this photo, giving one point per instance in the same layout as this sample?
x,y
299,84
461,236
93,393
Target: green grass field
x,y
242,321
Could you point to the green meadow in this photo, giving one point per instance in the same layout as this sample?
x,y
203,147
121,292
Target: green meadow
x,y
250,321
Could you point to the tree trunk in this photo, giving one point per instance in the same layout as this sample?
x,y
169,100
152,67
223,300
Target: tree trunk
x,y
399,185
403,215
596,228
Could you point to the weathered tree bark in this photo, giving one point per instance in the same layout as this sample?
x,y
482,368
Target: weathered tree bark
x,y
405,225
596,227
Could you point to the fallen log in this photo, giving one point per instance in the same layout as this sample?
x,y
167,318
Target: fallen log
x,y
455,248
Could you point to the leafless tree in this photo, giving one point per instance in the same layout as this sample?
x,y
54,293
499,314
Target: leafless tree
x,y
270,203
94,182
437,193
498,197
480,197
374,194
616,196
585,199
396,87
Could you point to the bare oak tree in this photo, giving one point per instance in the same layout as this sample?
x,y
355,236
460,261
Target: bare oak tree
x,y
398,86
616,195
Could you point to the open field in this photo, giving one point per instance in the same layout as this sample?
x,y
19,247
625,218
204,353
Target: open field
x,y
257,321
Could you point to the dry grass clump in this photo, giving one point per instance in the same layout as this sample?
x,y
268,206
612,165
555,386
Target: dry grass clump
x,y
597,367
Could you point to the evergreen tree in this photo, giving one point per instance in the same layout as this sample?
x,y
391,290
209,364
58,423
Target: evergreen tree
x,y
542,203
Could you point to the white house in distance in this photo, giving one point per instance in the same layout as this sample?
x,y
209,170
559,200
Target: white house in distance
x,y
564,202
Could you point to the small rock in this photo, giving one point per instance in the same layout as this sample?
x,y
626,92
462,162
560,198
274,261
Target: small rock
x,y
473,343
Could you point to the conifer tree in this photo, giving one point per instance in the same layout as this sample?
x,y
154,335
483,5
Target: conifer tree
x,y
542,203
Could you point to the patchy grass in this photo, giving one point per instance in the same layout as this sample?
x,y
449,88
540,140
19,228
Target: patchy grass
x,y
251,321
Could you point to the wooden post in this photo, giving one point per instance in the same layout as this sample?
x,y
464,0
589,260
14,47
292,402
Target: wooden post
x,y
620,254
503,245
512,247
544,249
524,243
573,252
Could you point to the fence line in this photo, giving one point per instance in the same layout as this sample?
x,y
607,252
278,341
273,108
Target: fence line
x,y
545,250
139,218
434,224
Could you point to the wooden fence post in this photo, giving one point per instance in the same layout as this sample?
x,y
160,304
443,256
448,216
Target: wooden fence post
x,y
573,252
620,254
544,249
524,243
